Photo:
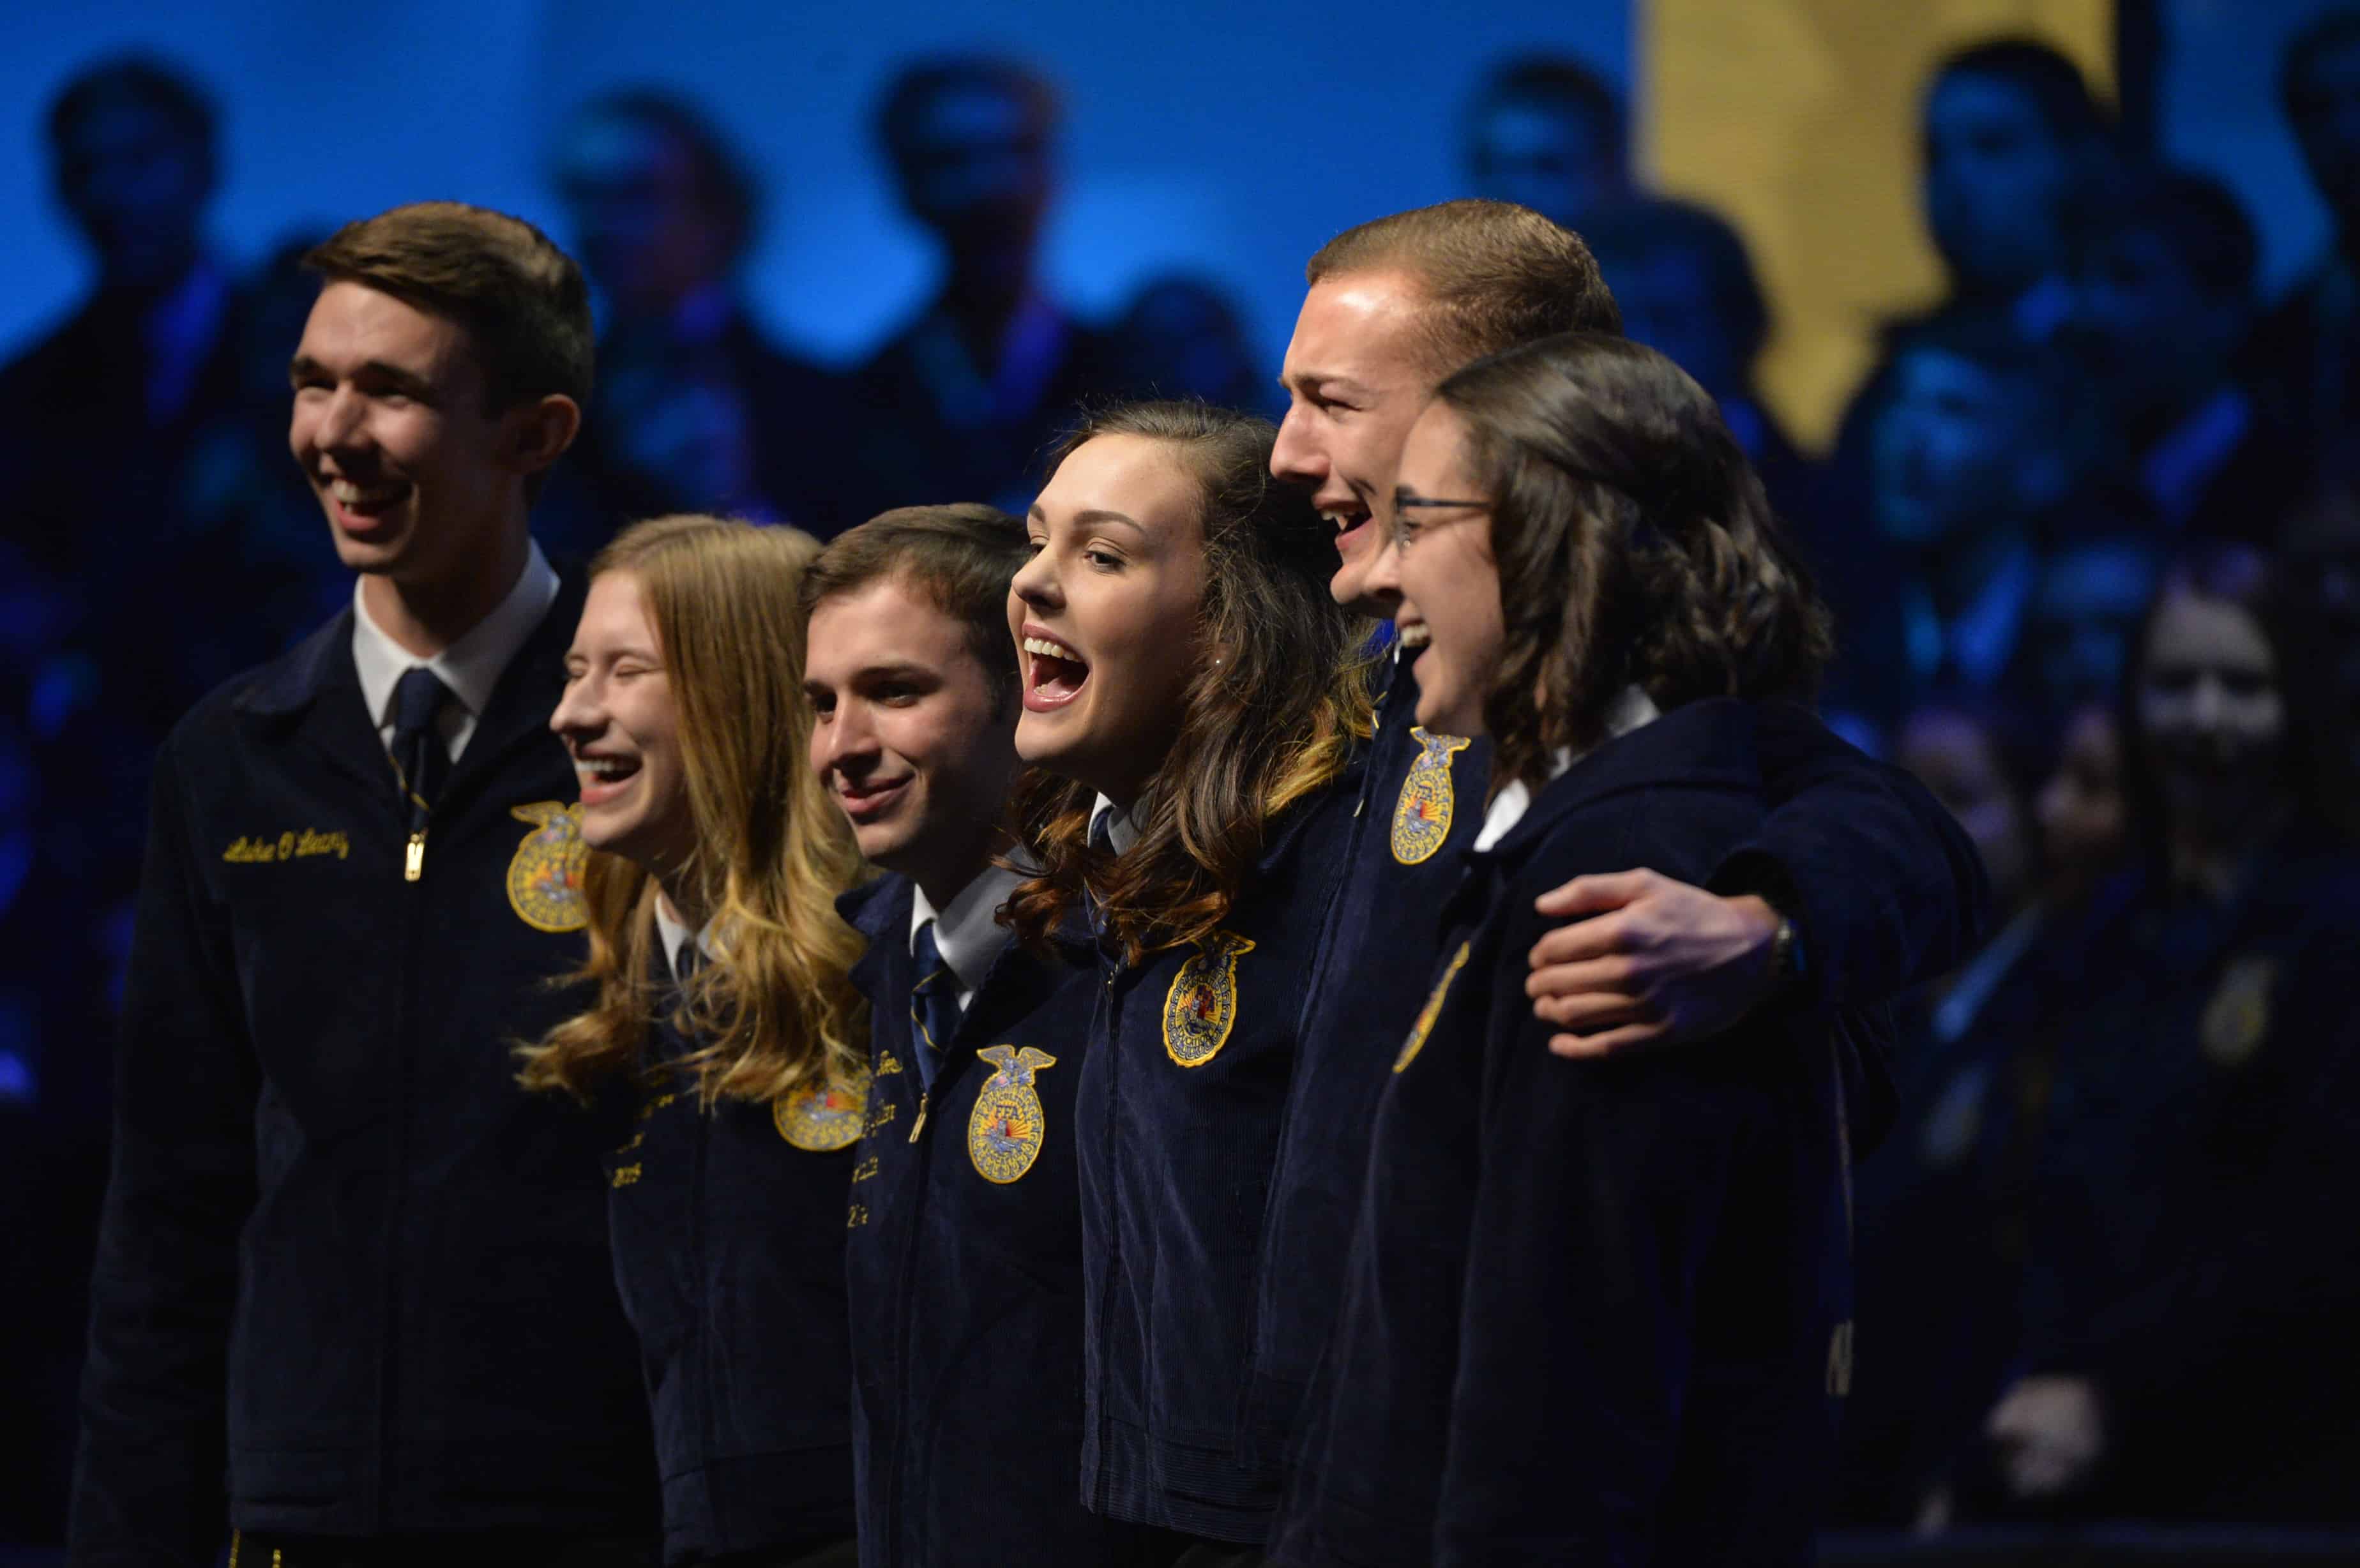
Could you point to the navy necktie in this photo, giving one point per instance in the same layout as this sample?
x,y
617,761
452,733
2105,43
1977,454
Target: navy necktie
x,y
934,1004
420,760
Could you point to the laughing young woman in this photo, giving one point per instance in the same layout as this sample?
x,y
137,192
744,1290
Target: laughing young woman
x,y
1191,699
724,1010
1595,1308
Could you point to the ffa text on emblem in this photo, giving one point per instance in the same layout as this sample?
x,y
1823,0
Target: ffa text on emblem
x,y
1202,1006
1432,1010
545,873
1004,1133
1422,815
824,1116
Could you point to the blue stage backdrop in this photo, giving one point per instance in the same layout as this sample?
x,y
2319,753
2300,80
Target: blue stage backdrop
x,y
1229,136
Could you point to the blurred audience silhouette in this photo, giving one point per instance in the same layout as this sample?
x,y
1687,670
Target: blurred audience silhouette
x,y
964,401
1547,132
695,411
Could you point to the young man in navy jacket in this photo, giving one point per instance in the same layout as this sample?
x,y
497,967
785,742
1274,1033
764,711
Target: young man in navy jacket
x,y
1856,886
344,1259
965,1249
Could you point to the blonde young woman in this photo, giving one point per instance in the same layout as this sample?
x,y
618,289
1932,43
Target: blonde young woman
x,y
722,1014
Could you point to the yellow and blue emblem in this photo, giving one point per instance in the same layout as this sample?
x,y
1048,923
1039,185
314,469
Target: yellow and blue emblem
x,y
822,1117
1005,1130
1432,1010
545,873
1422,816
1202,1006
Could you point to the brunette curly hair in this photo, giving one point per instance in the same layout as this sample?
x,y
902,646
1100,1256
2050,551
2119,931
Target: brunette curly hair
x,y
1634,545
1276,719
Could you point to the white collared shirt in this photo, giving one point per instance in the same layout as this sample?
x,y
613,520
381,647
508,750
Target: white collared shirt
x,y
964,932
1631,710
1121,832
470,667
673,932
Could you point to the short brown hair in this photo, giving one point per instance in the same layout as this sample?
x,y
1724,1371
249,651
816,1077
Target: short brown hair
x,y
522,301
1496,273
961,556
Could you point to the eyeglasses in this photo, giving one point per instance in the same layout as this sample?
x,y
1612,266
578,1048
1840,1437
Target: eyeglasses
x,y
1406,528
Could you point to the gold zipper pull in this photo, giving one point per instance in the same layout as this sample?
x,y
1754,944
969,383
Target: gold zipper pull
x,y
920,1124
413,864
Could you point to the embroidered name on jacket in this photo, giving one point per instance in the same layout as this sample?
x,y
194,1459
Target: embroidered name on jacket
x,y
822,1117
545,873
291,844
1202,1006
1429,800
1005,1131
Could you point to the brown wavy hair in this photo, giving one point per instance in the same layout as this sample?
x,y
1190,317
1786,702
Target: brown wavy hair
x,y
1275,720
1634,544
776,1010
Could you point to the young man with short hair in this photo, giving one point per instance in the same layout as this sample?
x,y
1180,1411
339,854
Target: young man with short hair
x,y
344,1258
965,1253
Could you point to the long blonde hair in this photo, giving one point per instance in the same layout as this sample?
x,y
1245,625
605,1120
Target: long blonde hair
x,y
777,1009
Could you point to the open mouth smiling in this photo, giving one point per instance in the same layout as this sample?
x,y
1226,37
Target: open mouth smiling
x,y
1347,524
603,777
1054,673
361,506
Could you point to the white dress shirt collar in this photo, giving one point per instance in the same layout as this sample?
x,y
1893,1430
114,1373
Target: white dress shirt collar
x,y
1633,709
673,932
1121,832
470,667
966,935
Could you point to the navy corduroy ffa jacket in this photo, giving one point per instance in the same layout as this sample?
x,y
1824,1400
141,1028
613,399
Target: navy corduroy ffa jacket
x,y
1194,1056
344,1257
728,1238
1594,1309
965,1259
1847,846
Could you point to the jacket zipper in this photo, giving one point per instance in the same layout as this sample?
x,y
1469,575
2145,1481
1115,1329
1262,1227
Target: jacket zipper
x,y
904,1382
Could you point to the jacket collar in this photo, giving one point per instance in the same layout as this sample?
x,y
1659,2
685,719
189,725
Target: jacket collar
x,y
879,911
1710,742
315,690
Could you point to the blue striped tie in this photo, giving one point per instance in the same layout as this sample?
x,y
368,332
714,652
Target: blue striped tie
x,y
934,1005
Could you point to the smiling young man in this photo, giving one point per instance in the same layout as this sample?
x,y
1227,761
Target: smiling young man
x,y
965,1249
345,1259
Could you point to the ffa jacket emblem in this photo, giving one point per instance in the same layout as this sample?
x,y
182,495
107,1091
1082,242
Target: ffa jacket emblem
x,y
1004,1133
545,873
1422,815
2238,1016
1202,1006
1432,1010
822,1117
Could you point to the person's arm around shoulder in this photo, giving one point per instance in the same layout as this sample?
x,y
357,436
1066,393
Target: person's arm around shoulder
x,y
1858,884
147,1485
